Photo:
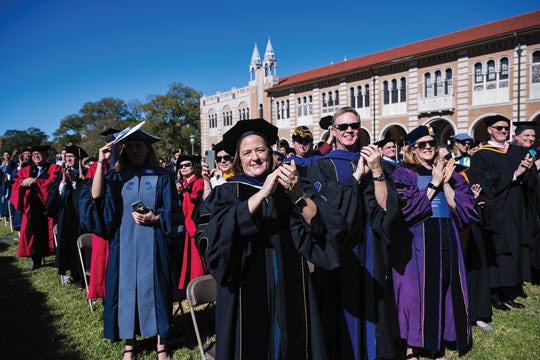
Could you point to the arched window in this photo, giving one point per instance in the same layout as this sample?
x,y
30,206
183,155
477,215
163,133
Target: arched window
x,y
352,98
386,93
310,104
283,109
503,69
438,83
535,68
448,82
403,90
278,111
478,76
324,103
360,97
394,91
366,96
428,89
288,110
491,74
266,70
336,98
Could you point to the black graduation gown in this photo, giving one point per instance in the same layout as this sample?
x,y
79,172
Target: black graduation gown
x,y
65,210
507,234
259,262
362,287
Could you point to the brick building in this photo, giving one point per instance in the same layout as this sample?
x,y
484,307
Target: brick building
x,y
451,82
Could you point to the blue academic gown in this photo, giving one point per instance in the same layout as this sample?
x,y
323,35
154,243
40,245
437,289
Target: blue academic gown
x,y
138,284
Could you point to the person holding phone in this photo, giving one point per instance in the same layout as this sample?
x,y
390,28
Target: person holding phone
x,y
222,169
138,286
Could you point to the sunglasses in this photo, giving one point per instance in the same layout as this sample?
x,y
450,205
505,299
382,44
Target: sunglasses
x,y
424,144
464,143
185,165
501,128
343,127
224,157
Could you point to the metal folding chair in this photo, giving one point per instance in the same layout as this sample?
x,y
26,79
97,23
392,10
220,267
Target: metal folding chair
x,y
200,291
84,241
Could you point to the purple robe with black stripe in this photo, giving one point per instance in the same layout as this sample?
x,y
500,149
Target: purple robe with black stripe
x,y
418,284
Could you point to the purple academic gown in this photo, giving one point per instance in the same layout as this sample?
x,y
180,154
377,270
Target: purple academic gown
x,y
419,285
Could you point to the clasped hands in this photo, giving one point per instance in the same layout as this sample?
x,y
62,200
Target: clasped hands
x,y
147,219
370,160
442,172
287,176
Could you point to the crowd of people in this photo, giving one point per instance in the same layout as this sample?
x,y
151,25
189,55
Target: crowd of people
x,y
391,250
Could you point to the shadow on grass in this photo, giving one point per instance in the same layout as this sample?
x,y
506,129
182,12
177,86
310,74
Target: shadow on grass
x,y
25,321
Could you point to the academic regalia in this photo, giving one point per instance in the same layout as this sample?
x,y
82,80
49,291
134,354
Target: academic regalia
x,y
357,300
265,302
37,238
137,284
64,208
434,264
192,263
100,253
507,231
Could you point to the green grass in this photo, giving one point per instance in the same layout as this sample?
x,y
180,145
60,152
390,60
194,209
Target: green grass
x,y
41,319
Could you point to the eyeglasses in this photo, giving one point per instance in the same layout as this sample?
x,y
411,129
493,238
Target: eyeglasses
x,y
424,144
343,127
224,158
501,128
185,165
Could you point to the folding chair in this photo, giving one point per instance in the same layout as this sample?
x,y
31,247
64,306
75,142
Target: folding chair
x,y
85,241
200,291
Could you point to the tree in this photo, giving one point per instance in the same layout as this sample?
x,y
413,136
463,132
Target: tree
x,y
14,139
173,117
84,128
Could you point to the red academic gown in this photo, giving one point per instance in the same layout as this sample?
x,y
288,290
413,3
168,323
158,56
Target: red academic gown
x,y
33,241
192,263
100,254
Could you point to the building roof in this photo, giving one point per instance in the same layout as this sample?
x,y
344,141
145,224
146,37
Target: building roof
x,y
459,38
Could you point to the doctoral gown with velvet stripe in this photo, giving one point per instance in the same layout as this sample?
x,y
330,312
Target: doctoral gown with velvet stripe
x,y
357,299
265,302
138,284
418,286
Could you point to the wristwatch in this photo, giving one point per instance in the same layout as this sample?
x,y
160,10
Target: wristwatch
x,y
432,186
300,203
381,177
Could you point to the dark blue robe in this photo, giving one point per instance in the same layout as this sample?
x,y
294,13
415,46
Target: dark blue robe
x,y
265,302
138,284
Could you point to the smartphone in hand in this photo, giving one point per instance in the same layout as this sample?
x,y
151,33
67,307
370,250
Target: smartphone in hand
x,y
209,159
139,207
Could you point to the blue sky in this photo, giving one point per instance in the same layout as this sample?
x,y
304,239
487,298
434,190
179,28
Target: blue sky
x,y
55,55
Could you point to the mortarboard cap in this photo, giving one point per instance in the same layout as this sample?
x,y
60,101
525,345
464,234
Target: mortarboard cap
x,y
421,131
302,133
109,131
325,122
461,137
255,126
77,151
384,141
223,146
40,148
490,120
524,125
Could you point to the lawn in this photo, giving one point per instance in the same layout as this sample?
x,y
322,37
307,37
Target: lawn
x,y
42,319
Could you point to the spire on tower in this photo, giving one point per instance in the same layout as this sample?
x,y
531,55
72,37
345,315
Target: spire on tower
x,y
269,53
255,58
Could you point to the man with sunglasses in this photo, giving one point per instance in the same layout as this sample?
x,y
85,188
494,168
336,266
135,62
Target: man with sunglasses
x,y
503,171
462,144
360,324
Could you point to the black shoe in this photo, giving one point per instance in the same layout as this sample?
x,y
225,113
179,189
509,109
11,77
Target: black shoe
x,y
497,303
514,304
